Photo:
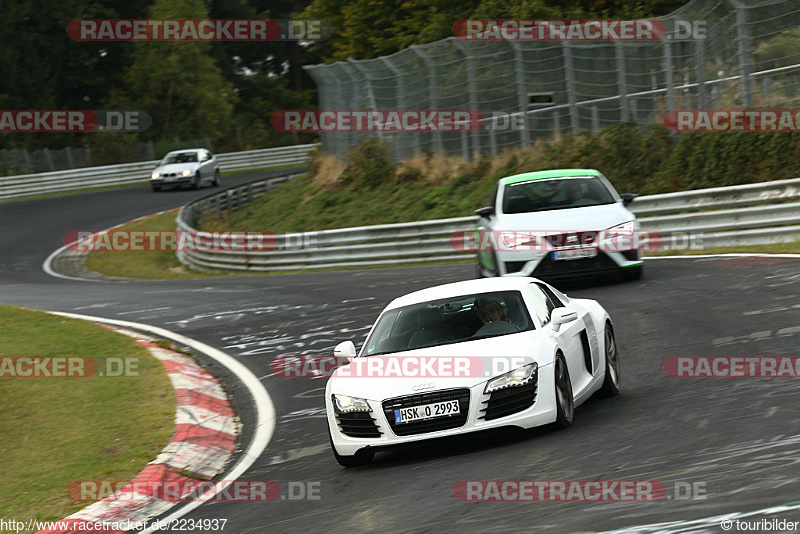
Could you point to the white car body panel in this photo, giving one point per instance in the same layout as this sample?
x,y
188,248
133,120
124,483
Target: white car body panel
x,y
539,345
557,221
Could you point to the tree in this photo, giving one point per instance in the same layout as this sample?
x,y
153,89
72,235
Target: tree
x,y
178,82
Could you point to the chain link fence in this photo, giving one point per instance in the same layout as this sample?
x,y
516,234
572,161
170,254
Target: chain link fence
x,y
748,56
15,161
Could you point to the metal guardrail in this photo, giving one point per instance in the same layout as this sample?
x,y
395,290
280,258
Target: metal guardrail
x,y
131,173
761,213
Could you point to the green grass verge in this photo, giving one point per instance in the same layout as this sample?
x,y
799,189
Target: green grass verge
x,y
776,248
154,265
165,266
54,431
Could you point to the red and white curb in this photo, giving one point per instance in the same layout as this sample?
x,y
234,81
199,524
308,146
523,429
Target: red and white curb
x,y
202,443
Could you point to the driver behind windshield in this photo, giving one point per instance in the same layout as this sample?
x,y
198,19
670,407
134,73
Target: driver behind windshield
x,y
490,312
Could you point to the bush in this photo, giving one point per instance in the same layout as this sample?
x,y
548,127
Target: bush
x,y
368,165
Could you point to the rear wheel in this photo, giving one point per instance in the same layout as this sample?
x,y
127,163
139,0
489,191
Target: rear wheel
x,y
612,380
362,457
565,403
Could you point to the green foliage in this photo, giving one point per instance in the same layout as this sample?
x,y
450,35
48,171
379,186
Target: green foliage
x,y
644,160
369,164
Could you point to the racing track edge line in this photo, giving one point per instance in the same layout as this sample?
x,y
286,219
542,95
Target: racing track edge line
x,y
265,410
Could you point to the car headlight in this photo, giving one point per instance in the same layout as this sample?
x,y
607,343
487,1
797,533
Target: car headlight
x,y
155,175
624,228
346,404
518,377
186,172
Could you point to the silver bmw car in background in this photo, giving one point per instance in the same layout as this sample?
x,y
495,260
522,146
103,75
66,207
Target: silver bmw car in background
x,y
192,167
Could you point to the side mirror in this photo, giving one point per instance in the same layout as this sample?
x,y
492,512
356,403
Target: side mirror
x,y
345,349
627,198
562,316
486,211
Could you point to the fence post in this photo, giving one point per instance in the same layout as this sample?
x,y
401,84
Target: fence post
x,y
622,81
473,96
70,161
522,93
743,46
48,159
595,119
701,73
669,75
370,91
433,97
399,100
569,74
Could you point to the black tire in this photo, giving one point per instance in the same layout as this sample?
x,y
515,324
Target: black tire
x,y
215,183
565,403
156,188
633,273
196,181
362,457
612,381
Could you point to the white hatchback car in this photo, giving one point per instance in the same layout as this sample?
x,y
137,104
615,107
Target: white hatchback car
x,y
192,167
554,224
465,357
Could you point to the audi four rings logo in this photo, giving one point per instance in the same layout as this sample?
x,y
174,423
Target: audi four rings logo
x,y
423,387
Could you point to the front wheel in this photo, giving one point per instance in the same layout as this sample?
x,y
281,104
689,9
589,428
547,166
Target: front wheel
x,y
156,188
565,403
633,273
196,181
362,457
612,380
215,183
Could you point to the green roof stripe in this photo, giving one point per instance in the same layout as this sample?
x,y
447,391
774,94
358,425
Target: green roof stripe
x,y
540,175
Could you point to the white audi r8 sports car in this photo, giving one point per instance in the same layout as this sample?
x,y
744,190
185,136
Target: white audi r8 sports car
x,y
528,355
563,223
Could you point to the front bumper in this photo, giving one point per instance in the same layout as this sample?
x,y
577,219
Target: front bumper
x,y
542,265
528,406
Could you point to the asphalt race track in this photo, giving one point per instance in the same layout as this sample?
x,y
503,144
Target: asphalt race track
x,y
738,438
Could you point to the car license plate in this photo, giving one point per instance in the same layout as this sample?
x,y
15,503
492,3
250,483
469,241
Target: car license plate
x,y
574,254
426,411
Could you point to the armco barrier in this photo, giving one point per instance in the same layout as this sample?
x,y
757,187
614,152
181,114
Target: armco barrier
x,y
130,173
718,217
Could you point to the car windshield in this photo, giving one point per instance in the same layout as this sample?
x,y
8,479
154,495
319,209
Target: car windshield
x,y
555,194
446,321
180,157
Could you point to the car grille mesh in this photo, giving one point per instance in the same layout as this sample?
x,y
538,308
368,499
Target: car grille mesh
x,y
428,425
511,400
584,265
358,425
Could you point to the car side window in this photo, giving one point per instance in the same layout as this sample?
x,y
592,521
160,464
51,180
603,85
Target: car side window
x,y
543,306
552,296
